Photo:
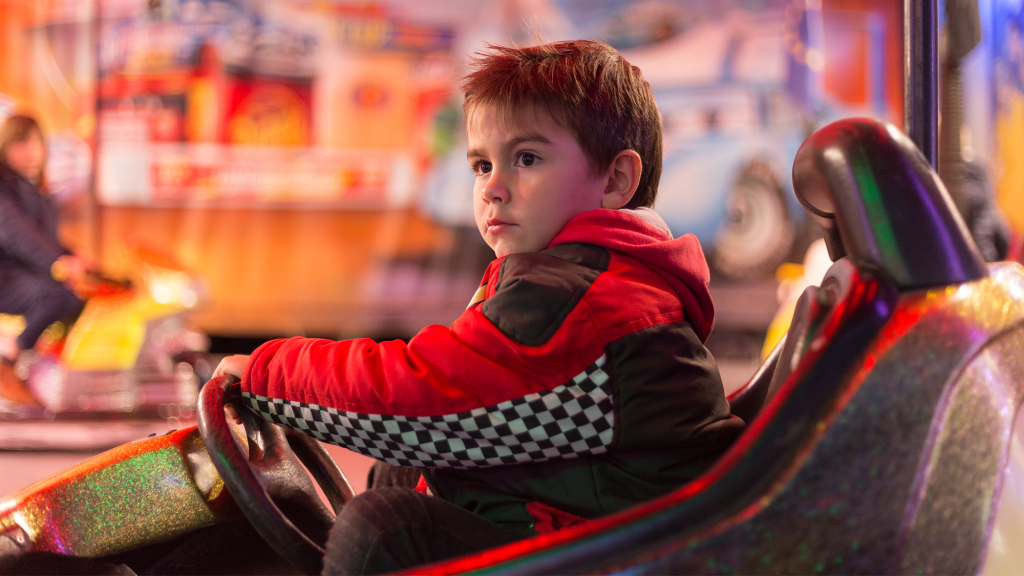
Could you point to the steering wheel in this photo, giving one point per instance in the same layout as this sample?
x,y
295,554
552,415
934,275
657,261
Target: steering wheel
x,y
271,467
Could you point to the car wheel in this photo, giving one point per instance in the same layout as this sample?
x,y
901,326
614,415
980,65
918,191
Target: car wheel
x,y
758,233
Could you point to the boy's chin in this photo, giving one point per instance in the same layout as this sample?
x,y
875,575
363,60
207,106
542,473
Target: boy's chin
x,y
502,249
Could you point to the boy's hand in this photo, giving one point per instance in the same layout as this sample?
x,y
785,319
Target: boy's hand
x,y
232,366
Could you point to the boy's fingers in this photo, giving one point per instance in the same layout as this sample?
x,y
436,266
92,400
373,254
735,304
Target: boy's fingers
x,y
232,414
232,365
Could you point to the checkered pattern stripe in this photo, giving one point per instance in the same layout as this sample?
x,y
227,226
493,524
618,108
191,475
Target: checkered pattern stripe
x,y
572,419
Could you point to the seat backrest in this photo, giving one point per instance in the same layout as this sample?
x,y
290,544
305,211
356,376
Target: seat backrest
x,y
814,303
747,401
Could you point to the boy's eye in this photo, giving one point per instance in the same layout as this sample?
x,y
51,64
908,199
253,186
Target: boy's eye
x,y
526,159
481,167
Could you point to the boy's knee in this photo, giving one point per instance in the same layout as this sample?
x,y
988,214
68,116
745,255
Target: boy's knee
x,y
375,531
384,509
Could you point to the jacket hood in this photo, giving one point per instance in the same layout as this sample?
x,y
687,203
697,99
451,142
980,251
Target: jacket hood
x,y
643,235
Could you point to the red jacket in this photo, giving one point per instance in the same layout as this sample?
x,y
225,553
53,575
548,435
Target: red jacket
x,y
590,347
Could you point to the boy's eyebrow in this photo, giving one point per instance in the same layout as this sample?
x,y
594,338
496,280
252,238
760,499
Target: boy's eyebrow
x,y
529,137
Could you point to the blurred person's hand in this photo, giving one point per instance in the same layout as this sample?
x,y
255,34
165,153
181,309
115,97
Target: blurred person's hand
x,y
70,270
89,263
232,366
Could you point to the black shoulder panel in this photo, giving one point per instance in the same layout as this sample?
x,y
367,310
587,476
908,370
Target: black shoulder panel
x,y
537,290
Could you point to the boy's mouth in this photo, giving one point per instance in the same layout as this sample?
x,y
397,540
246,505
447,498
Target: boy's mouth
x,y
495,225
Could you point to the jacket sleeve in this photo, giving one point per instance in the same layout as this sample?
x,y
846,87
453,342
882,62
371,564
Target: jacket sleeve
x,y
463,396
23,239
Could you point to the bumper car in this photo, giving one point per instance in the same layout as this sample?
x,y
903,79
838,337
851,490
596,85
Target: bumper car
x,y
883,430
130,350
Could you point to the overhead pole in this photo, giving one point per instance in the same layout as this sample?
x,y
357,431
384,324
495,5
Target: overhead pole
x,y
962,34
921,75
94,228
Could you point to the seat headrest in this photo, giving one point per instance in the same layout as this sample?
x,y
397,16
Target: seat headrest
x,y
879,202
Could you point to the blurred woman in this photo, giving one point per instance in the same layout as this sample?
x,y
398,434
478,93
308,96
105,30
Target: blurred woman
x,y
36,271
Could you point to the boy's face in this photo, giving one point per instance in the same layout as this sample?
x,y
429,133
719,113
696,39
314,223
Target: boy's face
x,y
531,179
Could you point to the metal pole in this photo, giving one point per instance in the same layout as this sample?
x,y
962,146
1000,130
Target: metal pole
x,y
921,75
94,217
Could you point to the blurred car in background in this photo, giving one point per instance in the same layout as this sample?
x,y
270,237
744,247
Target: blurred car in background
x,y
732,126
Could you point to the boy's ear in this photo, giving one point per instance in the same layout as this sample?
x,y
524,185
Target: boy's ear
x,y
623,177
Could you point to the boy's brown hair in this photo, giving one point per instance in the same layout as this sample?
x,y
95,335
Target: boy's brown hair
x,y
588,88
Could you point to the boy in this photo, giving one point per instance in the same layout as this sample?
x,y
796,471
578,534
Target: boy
x,y
576,383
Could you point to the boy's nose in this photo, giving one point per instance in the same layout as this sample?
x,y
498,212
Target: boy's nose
x,y
495,191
